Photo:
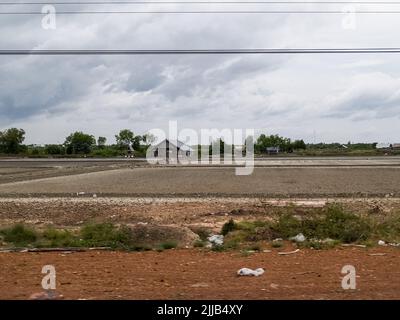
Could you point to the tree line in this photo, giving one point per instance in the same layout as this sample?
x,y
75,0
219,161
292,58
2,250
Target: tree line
x,y
77,143
80,143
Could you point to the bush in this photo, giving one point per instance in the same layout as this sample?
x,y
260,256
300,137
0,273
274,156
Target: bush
x,y
168,245
228,227
58,238
340,225
19,235
107,235
199,244
287,226
202,232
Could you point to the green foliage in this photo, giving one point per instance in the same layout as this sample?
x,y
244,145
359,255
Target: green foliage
x,y
340,225
126,137
106,235
332,222
58,238
228,227
263,142
202,232
277,244
101,142
106,151
299,145
54,149
199,244
168,245
79,142
389,229
11,140
19,235
287,226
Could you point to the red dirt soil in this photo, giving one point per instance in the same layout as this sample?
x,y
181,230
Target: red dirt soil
x,y
202,274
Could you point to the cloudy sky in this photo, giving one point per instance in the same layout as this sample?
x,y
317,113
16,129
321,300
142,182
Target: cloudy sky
x,y
328,97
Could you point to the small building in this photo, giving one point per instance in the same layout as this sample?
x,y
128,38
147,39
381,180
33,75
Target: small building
x,y
171,150
272,150
383,145
388,146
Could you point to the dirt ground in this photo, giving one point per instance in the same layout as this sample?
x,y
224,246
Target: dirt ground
x,y
72,194
207,212
199,274
161,181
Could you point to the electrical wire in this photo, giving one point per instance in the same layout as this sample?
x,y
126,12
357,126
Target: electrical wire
x,y
200,51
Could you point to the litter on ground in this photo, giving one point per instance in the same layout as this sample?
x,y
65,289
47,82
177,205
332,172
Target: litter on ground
x,y
250,272
216,239
299,238
289,252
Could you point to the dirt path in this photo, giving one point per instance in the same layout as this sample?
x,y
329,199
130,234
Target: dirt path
x,y
200,274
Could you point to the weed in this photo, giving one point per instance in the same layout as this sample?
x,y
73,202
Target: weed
x,y
199,244
19,235
168,245
277,244
106,235
228,227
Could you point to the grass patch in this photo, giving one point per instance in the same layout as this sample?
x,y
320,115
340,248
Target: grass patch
x,y
323,228
228,227
202,232
168,245
277,244
52,237
19,235
91,235
199,244
106,235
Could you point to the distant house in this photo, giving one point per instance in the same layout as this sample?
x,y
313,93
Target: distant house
x,y
383,146
272,150
171,150
388,146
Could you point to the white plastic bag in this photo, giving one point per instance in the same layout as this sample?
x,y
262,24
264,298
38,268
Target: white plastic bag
x,y
250,272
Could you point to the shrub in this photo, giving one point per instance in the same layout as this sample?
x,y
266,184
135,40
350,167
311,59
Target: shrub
x,y
168,245
106,234
228,227
58,238
340,225
19,235
199,244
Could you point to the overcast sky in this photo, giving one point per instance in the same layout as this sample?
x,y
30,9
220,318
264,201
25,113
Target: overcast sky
x,y
315,97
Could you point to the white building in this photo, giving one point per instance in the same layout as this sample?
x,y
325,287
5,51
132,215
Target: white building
x,y
171,150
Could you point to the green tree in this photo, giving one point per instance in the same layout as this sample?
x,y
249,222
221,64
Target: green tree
x,y
54,149
263,142
299,145
11,140
148,138
79,142
101,142
126,137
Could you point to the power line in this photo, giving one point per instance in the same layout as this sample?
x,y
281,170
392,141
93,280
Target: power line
x,y
200,51
197,2
199,12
